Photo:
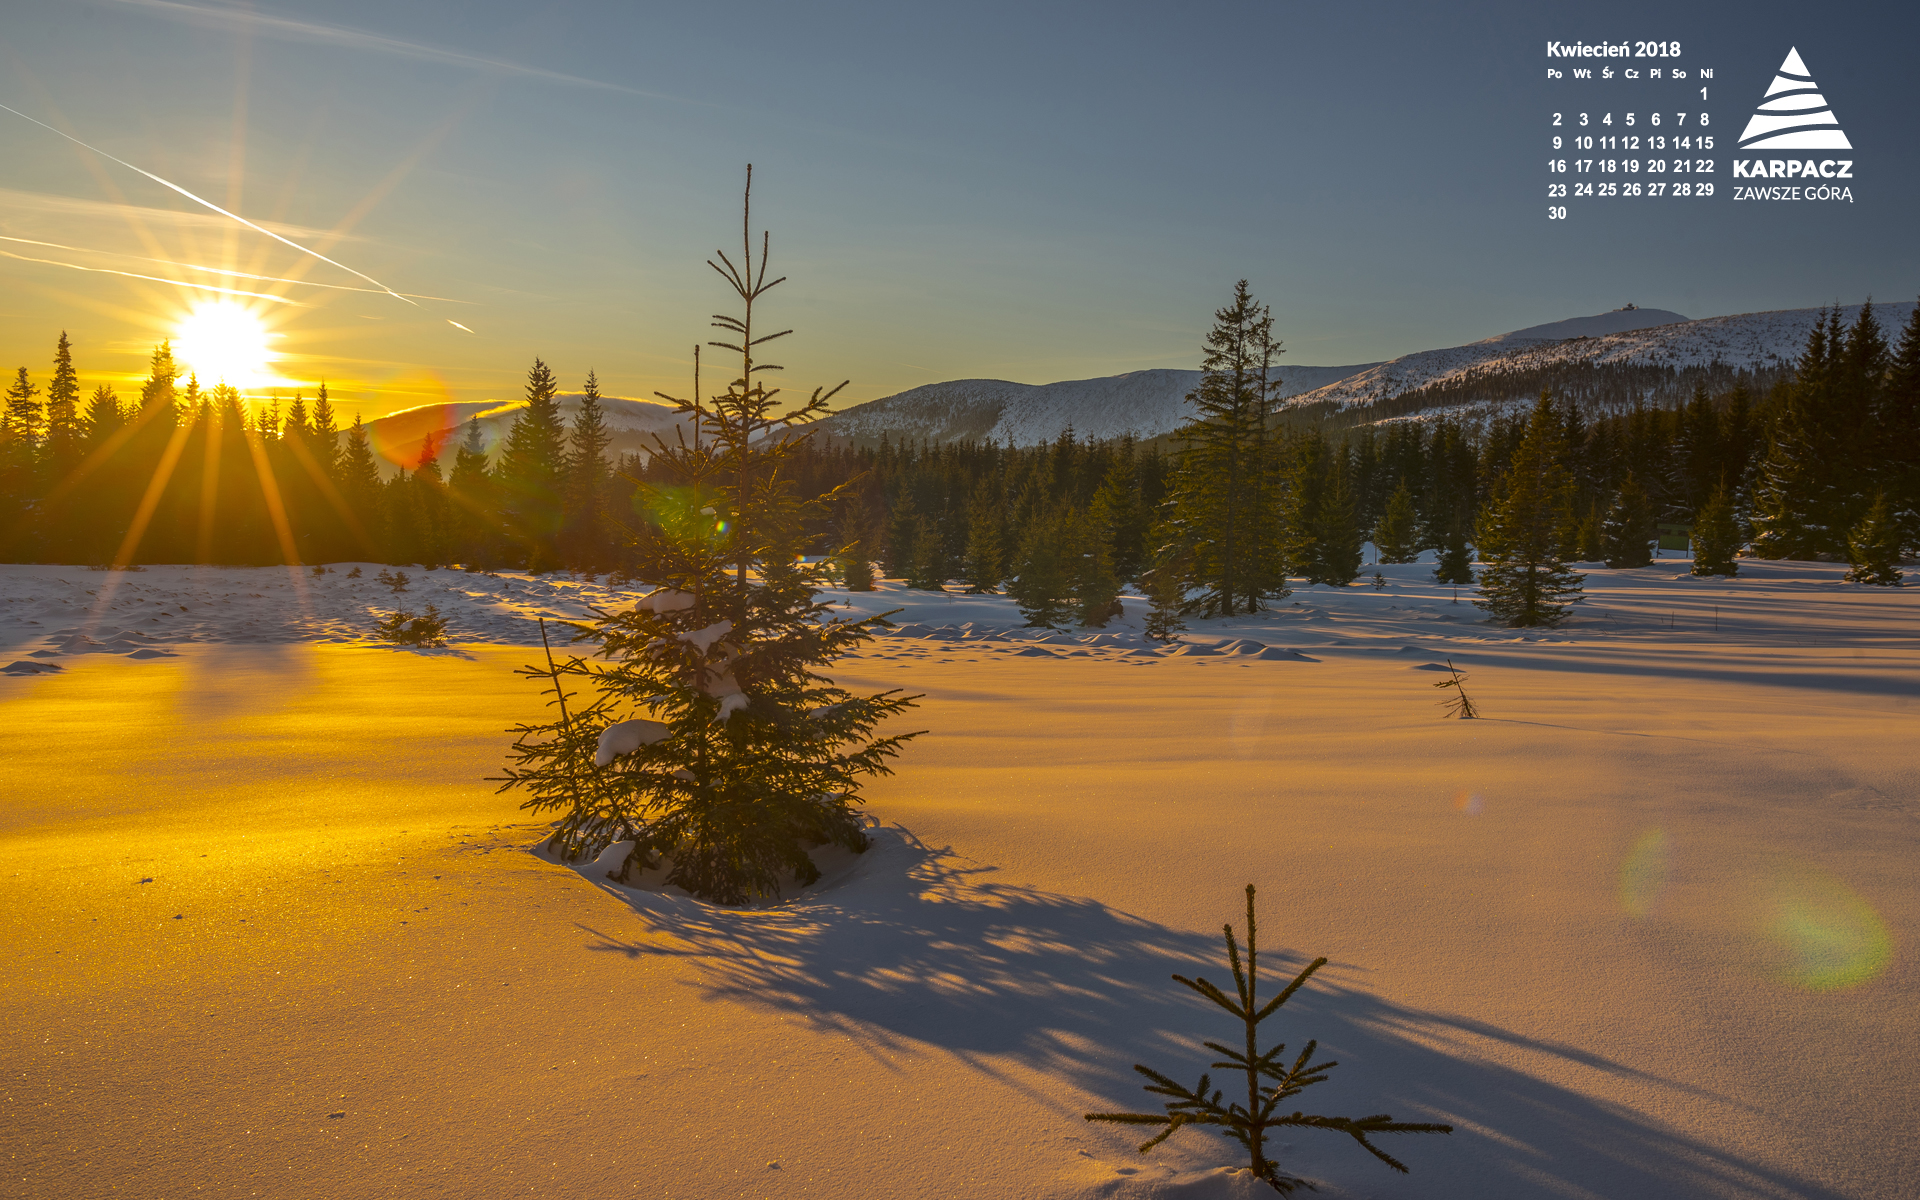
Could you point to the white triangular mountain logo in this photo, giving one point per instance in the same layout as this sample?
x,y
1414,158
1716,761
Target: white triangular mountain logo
x,y
1794,115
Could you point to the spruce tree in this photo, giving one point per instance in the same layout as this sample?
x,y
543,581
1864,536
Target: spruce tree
x,y
1590,539
735,755
1270,1081
1042,583
530,473
1095,586
854,553
25,418
1628,534
587,536
1336,531
1221,508
325,443
1898,426
1456,562
1716,536
470,489
1524,582
984,565
1126,513
1166,590
65,435
928,569
1395,539
903,535
360,488
1873,547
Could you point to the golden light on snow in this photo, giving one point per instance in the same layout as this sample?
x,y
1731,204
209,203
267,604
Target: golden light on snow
x,y
1643,876
224,341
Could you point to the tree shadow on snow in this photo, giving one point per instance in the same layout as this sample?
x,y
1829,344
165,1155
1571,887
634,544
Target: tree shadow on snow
x,y
917,945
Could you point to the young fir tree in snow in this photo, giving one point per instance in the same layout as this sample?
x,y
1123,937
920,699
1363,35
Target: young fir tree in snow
x,y
1095,587
1628,533
928,567
1270,1080
984,564
746,756
1337,529
1873,548
1716,536
855,557
1396,538
1165,587
1042,584
1456,561
1524,582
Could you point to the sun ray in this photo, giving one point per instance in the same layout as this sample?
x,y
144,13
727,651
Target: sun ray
x,y
198,287
282,528
142,517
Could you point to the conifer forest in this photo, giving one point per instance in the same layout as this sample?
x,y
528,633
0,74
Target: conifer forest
x,y
1822,464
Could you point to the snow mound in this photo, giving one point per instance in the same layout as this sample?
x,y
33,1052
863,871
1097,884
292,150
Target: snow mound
x,y
22,667
1035,652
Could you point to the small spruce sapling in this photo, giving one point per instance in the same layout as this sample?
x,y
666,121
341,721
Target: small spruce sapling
x,y
1716,536
1250,1124
1456,562
1457,705
354,574
1873,547
1379,581
407,629
394,581
1166,590
747,757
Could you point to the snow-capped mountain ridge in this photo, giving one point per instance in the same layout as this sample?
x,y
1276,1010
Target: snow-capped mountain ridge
x,y
1142,403
1746,341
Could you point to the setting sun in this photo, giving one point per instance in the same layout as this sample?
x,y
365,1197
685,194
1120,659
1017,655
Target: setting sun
x,y
221,341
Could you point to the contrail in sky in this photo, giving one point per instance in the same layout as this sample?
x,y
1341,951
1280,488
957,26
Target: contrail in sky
x,y
228,271
215,207
198,287
458,325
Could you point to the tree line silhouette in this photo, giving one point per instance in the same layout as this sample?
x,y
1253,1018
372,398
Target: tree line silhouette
x,y
1223,514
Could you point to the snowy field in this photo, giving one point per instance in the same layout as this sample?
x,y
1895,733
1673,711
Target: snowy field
x,y
1645,931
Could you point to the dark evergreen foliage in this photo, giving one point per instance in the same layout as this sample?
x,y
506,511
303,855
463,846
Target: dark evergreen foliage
x,y
1221,516
179,473
748,756
1873,548
405,628
1270,1081
1395,538
1524,582
1716,536
1628,533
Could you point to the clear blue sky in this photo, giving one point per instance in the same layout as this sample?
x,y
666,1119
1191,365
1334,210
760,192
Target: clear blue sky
x,y
1016,191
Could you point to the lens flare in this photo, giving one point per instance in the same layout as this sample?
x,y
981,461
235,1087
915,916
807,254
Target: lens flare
x,y
426,429
1825,937
1643,876
1468,802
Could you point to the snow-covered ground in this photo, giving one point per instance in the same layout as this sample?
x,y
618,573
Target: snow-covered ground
x,y
50,614
1646,930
